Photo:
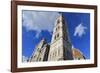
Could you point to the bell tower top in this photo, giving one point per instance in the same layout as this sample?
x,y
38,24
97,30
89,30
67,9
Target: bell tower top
x,y
60,29
59,19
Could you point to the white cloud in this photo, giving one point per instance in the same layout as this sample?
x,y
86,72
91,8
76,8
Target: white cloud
x,y
38,21
24,59
80,30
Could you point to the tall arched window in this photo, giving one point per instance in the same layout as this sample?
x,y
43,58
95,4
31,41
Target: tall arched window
x,y
39,59
58,21
57,35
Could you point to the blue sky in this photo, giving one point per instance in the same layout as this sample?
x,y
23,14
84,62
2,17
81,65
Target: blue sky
x,y
39,24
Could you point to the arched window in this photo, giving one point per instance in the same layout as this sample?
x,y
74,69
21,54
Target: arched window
x,y
57,35
39,59
50,56
53,54
78,58
58,21
58,27
34,56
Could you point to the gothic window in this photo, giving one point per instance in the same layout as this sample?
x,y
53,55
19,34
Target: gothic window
x,y
40,51
58,21
34,56
50,55
58,27
78,58
39,59
53,54
57,35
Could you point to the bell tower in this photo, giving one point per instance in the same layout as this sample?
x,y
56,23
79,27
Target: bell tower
x,y
60,47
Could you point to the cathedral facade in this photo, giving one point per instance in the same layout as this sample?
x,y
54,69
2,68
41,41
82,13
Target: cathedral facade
x,y
60,47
